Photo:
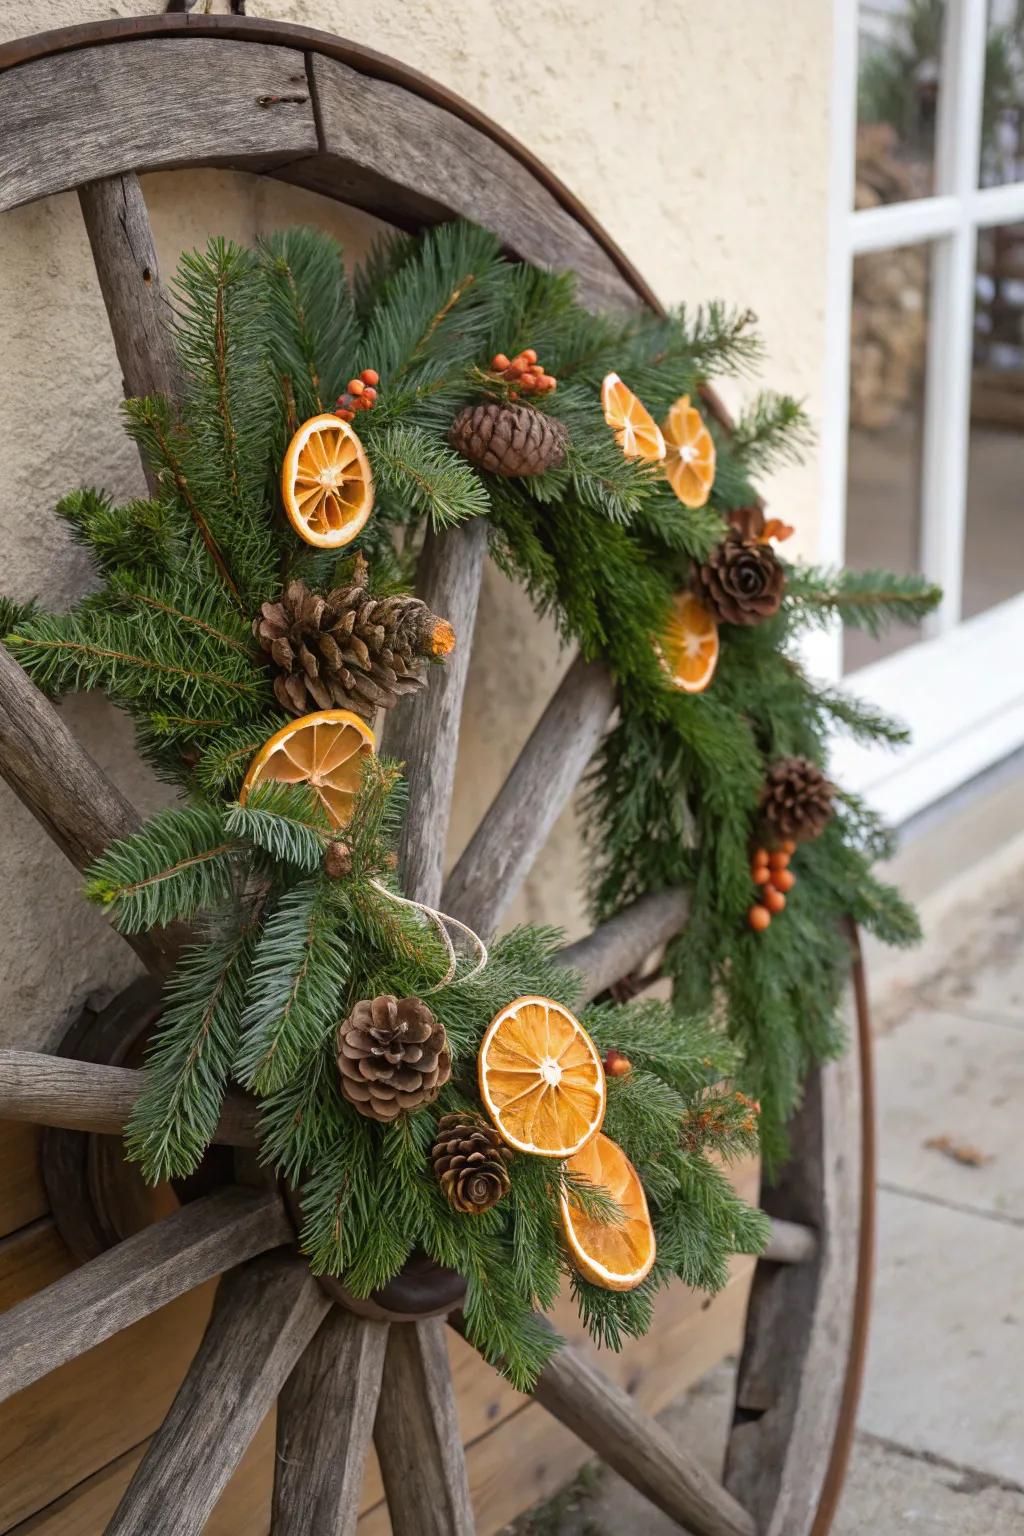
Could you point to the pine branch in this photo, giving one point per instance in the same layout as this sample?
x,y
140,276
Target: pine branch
x,y
869,600
178,864
143,536
312,328
416,474
188,1064
773,431
285,821
296,988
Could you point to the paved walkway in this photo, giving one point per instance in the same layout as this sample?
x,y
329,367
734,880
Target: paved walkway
x,y
940,1447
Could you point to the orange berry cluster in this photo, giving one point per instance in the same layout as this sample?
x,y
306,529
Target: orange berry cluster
x,y
771,871
525,372
617,1065
359,395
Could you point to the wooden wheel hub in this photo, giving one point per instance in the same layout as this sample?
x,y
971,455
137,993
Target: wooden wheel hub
x,y
86,108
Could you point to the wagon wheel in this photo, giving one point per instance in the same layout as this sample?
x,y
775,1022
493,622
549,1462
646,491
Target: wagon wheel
x,y
86,108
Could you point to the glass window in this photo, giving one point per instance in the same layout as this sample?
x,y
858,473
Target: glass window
x,y
888,341
994,528
898,82
1002,114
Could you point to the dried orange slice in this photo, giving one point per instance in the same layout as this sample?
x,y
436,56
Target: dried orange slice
x,y
615,1255
688,648
326,482
638,433
324,750
689,454
541,1078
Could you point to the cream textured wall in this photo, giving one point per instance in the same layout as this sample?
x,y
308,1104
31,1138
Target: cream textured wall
x,y
695,130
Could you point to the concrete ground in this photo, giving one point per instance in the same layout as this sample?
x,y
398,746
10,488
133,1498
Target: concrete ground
x,y
940,1445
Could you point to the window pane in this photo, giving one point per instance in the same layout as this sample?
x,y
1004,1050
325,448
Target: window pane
x,y
887,363
994,532
899,54
1002,122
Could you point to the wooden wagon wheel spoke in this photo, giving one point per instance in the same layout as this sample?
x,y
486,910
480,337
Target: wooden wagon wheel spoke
x,y
503,848
325,1417
603,1416
135,1278
86,1096
621,944
68,793
424,735
417,1437
264,1317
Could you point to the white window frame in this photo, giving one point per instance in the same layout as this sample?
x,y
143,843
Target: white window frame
x,y
961,689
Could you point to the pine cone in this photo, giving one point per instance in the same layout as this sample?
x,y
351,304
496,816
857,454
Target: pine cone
x,y
797,799
742,580
509,439
393,1056
348,650
470,1163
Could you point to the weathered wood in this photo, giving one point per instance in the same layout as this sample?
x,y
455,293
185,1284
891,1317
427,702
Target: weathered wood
x,y
66,791
414,162
620,945
793,1371
266,1314
124,254
424,733
790,1243
503,848
325,1418
82,1096
417,1437
98,112
108,1294
604,1417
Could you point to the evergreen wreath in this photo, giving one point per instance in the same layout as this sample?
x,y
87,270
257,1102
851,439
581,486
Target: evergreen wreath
x,y
295,926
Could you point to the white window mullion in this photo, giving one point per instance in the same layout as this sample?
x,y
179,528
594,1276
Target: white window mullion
x,y
951,310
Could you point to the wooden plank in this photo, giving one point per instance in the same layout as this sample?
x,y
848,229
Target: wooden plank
x,y
624,942
149,104
417,1437
599,1412
22,1195
503,848
30,1259
413,162
62,1429
65,789
266,1314
130,1281
85,1096
124,254
86,1509
325,1418
424,733
793,1371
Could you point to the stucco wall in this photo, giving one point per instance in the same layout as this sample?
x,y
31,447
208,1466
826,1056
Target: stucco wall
x,y
696,131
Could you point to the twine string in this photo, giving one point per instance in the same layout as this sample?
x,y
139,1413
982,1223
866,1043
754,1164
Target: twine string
x,y
442,922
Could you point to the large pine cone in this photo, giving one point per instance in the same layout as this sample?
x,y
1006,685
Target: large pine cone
x,y
348,650
509,439
797,799
470,1163
742,580
393,1056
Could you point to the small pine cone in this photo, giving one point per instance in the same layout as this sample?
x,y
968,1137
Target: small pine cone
x,y
742,580
337,860
393,1056
509,439
796,800
470,1163
748,522
348,650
